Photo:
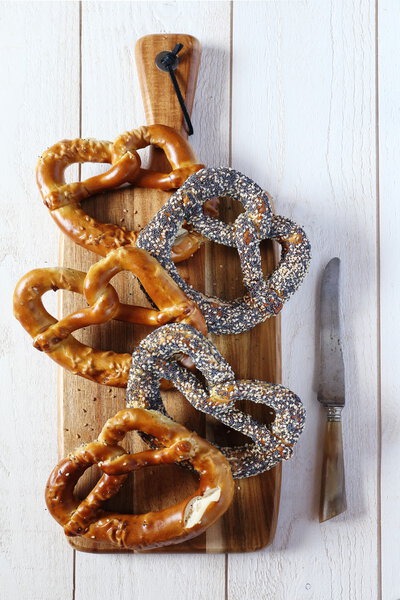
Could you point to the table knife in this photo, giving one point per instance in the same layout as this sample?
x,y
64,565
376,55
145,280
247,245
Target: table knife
x,y
331,394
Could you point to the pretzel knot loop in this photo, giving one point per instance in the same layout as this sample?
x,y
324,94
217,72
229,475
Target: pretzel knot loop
x,y
63,199
265,296
174,524
154,358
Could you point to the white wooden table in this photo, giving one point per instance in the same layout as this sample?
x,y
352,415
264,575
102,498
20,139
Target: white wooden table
x,y
304,97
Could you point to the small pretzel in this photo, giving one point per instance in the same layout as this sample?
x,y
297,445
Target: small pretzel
x,y
54,337
154,358
265,297
63,199
177,523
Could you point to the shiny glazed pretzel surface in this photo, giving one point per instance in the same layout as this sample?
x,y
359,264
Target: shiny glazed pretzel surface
x,y
63,199
54,337
174,524
265,295
154,358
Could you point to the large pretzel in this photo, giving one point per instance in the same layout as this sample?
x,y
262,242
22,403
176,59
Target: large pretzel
x,y
104,303
265,295
54,337
63,199
172,525
217,395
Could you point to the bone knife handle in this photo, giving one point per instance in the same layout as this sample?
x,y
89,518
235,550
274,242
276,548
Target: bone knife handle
x,y
333,490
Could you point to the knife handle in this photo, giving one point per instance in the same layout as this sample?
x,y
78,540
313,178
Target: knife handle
x,y
333,490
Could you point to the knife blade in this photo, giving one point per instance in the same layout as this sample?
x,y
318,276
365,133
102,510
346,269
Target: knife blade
x,y
331,394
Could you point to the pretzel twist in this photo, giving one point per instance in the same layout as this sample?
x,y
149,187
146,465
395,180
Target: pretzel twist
x,y
154,358
265,296
172,525
63,199
54,337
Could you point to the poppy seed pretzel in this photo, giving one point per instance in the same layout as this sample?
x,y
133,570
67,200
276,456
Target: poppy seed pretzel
x,y
154,358
63,199
182,521
265,296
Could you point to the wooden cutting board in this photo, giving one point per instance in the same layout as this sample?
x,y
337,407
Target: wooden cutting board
x,y
84,406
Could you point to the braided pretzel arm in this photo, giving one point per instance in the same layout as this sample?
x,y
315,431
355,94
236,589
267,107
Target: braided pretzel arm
x,y
265,296
154,358
63,200
174,524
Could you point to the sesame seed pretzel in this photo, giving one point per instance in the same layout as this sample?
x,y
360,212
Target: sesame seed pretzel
x,y
172,525
154,358
63,199
265,296
54,337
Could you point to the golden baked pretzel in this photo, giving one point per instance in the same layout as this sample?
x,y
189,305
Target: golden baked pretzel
x,y
177,523
104,303
63,199
54,337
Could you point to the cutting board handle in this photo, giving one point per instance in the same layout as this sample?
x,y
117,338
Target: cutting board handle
x,y
160,101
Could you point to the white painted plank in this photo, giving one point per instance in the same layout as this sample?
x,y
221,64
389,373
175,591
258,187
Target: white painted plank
x,y
38,104
304,127
389,166
111,104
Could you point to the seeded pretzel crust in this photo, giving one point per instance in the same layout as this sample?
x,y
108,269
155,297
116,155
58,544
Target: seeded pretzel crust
x,y
265,297
155,357
172,525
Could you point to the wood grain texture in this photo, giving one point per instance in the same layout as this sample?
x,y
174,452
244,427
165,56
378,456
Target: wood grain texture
x,y
389,161
34,108
308,137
